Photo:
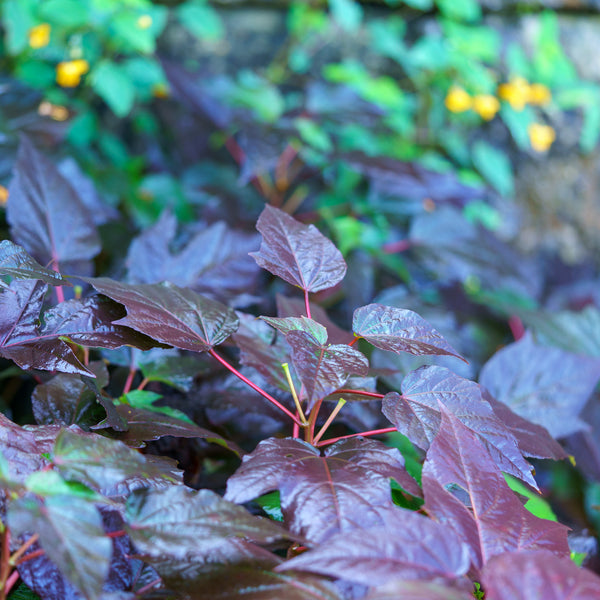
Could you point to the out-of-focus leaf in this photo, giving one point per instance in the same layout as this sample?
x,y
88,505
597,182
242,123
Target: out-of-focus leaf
x,y
16,262
45,214
20,338
399,330
19,449
542,384
347,13
172,315
495,166
72,536
497,521
407,546
323,368
111,83
346,488
201,19
416,590
173,367
214,262
287,324
537,576
299,254
416,414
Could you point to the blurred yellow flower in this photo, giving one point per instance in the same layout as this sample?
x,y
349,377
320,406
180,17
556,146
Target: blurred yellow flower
x,y
54,111
486,106
3,195
541,136
539,94
39,36
457,100
68,73
144,22
515,92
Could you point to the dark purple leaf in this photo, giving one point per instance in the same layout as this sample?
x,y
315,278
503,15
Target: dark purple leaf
x,y
293,307
90,322
322,495
175,316
20,338
113,418
416,414
145,425
322,368
299,254
214,262
179,523
16,262
399,330
287,324
417,590
497,521
538,576
20,450
72,536
545,385
533,440
407,546
45,214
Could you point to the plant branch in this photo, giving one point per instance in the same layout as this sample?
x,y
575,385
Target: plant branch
x,y
363,433
330,418
286,370
360,392
307,304
262,392
20,551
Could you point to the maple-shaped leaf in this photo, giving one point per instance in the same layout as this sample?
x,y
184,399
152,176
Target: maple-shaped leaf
x,y
45,214
416,414
399,330
533,440
346,488
17,263
323,368
214,262
172,315
299,254
495,520
71,533
20,337
538,575
90,322
407,546
545,385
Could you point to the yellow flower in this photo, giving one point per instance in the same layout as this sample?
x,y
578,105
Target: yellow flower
x,y
54,111
486,106
39,36
3,195
541,136
144,22
539,94
457,100
516,92
68,73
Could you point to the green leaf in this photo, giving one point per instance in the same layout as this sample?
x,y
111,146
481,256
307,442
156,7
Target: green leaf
x,y
17,20
590,130
495,166
271,504
346,13
536,505
461,10
313,134
22,592
111,83
201,20
66,13
50,483
145,399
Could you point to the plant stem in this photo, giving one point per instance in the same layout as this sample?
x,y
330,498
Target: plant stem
x,y
148,587
286,370
362,433
143,383
4,560
20,551
356,338
307,304
31,556
255,387
330,418
361,392
10,582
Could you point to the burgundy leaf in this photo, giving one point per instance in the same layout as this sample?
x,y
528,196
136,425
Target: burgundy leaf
x,y
399,330
322,368
299,254
322,495
45,214
287,324
214,262
497,521
20,338
538,576
533,440
90,322
16,262
545,385
20,450
417,590
407,546
416,414
113,418
172,315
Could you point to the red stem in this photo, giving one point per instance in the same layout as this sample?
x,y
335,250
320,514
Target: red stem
x,y
516,327
307,304
361,392
12,579
31,556
148,587
363,433
356,338
116,534
254,386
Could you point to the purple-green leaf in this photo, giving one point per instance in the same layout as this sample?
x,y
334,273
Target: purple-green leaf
x,y
346,488
399,330
545,385
416,414
299,254
16,262
172,315
287,324
20,450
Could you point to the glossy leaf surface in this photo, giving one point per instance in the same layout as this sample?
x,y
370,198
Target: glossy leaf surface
x,y
346,488
299,254
16,262
175,316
